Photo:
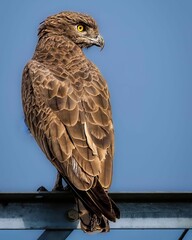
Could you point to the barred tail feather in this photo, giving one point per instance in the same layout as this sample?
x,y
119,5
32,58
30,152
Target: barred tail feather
x,y
95,208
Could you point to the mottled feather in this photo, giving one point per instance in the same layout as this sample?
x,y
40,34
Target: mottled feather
x,y
67,109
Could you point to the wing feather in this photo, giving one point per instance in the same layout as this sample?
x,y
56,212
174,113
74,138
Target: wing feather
x,y
77,124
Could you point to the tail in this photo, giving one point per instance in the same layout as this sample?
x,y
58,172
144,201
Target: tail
x,y
90,222
95,208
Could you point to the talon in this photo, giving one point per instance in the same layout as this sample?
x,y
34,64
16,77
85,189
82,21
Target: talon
x,y
67,188
58,188
42,189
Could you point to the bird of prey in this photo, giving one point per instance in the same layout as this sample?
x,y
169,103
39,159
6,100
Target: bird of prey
x,y
67,110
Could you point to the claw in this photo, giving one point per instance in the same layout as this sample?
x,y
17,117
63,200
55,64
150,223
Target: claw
x,y
42,189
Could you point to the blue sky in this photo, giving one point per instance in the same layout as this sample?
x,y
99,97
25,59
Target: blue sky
x,y
147,63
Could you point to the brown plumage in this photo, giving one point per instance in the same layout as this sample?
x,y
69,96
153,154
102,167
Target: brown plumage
x,y
67,109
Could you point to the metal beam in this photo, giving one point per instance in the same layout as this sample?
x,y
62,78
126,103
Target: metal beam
x,y
57,211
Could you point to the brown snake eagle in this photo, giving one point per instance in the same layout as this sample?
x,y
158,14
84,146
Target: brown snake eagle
x,y
67,110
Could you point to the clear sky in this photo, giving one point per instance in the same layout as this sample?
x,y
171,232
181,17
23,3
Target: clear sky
x,y
147,61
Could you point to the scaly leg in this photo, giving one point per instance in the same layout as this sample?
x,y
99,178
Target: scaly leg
x,y
58,185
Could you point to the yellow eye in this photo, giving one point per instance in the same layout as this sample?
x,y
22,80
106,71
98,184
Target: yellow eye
x,y
80,28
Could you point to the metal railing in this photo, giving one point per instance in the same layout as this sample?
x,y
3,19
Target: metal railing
x,y
56,212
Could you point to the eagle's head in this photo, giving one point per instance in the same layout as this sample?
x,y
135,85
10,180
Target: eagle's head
x,y
79,28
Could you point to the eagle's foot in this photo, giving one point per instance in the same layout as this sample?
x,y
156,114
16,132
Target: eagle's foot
x,y
61,188
42,189
59,184
58,187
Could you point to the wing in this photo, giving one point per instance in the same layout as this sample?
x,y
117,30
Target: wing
x,y
71,121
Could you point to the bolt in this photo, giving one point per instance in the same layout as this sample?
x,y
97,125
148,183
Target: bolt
x,y
72,215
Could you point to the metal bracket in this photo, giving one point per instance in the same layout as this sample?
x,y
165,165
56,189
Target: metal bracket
x,y
55,235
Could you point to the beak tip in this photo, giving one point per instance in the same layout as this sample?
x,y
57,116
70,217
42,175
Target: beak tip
x,y
101,42
101,47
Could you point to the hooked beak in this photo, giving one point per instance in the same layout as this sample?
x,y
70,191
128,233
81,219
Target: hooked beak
x,y
98,41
